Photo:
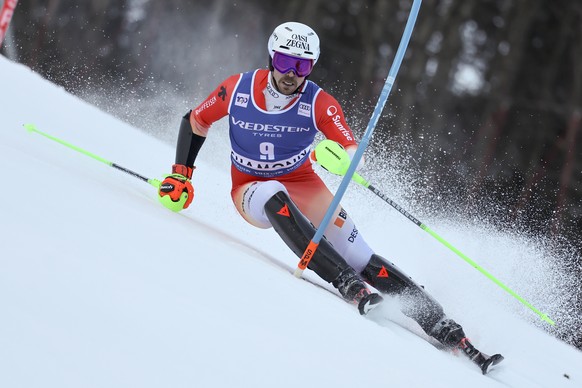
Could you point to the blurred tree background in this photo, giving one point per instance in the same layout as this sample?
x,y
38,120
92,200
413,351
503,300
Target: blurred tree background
x,y
488,99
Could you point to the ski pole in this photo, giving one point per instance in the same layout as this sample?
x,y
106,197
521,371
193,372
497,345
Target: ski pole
x,y
314,243
5,16
331,156
154,182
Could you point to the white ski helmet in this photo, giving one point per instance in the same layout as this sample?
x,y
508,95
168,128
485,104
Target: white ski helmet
x,y
294,39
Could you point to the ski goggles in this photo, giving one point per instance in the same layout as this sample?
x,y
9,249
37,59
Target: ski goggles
x,y
285,63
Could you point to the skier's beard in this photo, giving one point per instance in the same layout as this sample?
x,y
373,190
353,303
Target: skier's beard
x,y
287,85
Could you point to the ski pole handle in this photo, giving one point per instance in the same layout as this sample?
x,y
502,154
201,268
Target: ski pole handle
x,y
154,182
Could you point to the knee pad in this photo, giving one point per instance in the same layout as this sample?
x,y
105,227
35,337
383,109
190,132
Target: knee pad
x,y
254,199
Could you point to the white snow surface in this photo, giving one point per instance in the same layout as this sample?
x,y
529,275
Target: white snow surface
x,y
101,286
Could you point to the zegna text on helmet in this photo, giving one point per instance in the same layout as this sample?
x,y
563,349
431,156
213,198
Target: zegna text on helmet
x,y
296,40
299,41
337,120
271,130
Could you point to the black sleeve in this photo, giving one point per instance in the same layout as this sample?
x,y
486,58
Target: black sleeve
x,y
188,143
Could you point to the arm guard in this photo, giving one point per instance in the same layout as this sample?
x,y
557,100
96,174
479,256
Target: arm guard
x,y
188,143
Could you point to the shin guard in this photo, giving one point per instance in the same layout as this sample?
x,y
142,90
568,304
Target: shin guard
x,y
297,231
417,303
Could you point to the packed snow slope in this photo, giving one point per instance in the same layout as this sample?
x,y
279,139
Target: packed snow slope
x,y
101,286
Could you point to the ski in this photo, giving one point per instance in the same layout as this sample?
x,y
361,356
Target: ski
x,y
487,362
482,360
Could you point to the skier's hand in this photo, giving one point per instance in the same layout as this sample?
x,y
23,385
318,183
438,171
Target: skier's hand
x,y
333,157
351,150
176,191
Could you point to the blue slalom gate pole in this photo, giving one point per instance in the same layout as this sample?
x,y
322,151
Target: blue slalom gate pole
x,y
312,247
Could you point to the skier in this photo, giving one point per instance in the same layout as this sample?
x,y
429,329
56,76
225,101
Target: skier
x,y
274,116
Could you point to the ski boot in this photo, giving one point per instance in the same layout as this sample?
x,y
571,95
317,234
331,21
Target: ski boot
x,y
353,289
452,336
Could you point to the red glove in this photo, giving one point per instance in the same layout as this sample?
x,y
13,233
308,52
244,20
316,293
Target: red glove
x,y
176,184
